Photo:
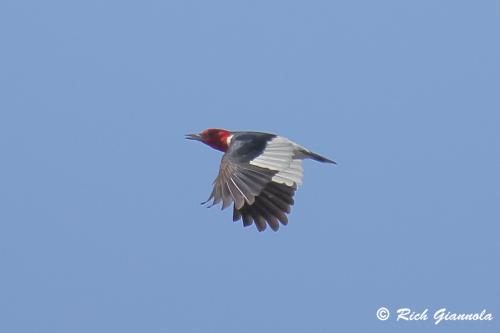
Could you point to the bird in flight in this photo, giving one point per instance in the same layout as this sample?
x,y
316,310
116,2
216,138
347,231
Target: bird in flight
x,y
259,173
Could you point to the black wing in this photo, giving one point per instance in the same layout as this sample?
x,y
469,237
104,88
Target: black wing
x,y
260,175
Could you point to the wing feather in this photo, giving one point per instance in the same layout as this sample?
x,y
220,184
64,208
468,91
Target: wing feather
x,y
261,189
238,183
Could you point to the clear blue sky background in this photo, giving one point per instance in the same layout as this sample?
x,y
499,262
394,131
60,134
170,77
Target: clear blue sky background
x,y
101,229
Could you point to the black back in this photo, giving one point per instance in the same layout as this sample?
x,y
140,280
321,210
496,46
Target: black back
x,y
245,146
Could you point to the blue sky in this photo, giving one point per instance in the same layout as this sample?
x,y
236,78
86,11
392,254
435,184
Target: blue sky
x,y
101,229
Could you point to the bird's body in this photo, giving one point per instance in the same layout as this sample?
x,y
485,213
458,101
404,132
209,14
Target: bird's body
x,y
259,173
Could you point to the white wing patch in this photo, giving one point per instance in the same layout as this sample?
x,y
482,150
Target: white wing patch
x,y
291,175
279,156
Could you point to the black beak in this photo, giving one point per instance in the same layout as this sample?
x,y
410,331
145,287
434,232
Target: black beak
x,y
193,137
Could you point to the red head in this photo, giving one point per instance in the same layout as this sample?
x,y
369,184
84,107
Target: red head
x,y
214,137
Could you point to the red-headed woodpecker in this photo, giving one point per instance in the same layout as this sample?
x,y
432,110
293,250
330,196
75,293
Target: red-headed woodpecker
x,y
259,172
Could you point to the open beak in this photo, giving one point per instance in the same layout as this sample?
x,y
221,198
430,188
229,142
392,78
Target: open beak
x,y
193,137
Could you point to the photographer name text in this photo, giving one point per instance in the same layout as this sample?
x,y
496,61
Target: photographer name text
x,y
439,316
